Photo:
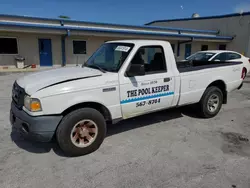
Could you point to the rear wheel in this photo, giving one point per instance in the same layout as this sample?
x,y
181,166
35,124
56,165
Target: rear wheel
x,y
81,132
211,102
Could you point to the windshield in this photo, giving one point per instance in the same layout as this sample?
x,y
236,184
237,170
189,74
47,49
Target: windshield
x,y
110,56
201,56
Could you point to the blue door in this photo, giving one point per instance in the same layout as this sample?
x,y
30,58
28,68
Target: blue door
x,y
45,52
187,50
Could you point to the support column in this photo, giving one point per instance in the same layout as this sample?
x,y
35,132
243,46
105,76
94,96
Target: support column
x,y
63,51
63,47
178,49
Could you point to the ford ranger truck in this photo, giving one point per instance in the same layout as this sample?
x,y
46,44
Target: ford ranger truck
x,y
122,79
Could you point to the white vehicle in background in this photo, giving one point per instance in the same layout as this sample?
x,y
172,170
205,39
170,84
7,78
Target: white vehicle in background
x,y
221,55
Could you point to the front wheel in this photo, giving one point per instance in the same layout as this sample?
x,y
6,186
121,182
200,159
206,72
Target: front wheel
x,y
81,132
211,102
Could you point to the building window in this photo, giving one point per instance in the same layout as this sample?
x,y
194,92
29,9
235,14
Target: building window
x,y
204,47
173,47
8,46
222,47
79,47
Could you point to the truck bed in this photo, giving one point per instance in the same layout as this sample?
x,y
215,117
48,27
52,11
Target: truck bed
x,y
188,66
194,82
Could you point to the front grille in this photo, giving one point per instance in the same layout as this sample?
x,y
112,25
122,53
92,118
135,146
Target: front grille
x,y
18,94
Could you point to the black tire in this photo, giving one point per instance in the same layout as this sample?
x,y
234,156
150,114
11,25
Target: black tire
x,y
203,104
63,133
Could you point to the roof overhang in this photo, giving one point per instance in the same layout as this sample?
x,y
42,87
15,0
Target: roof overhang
x,y
100,30
77,22
200,18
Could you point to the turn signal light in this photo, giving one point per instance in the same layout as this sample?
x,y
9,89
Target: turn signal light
x,y
35,106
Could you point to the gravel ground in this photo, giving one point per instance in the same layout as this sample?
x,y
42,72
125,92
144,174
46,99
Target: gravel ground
x,y
172,148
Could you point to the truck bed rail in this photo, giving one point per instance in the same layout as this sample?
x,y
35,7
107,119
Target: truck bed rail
x,y
187,66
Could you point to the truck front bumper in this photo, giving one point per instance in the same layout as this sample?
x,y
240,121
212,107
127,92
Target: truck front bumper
x,y
40,128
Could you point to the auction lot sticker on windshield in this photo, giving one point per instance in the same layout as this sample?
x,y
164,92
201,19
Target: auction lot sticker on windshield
x,y
122,48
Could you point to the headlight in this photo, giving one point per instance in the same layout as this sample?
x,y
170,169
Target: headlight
x,y
32,104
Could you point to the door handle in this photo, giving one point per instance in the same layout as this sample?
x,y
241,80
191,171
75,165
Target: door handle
x,y
166,79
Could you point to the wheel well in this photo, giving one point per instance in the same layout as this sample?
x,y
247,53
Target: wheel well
x,y
222,86
99,107
244,68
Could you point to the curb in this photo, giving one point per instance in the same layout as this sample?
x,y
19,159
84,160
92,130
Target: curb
x,y
6,71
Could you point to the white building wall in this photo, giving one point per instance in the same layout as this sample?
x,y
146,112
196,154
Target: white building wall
x,y
28,37
196,46
238,26
28,48
92,43
248,46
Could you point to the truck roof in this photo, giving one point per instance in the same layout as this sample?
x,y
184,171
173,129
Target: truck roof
x,y
141,42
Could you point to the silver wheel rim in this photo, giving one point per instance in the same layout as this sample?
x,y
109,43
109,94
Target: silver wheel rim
x,y
213,103
84,133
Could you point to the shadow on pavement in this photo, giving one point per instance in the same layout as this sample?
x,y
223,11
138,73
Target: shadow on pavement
x,y
35,147
123,126
149,119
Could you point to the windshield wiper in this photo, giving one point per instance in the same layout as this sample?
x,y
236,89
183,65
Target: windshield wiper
x,y
96,66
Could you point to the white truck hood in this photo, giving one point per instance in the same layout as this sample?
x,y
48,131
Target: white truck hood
x,y
36,81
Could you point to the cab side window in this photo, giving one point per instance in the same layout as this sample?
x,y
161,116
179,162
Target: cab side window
x,y
153,59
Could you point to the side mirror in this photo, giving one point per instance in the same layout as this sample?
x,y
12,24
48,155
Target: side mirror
x,y
135,70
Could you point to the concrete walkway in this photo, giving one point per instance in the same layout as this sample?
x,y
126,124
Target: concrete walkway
x,y
17,70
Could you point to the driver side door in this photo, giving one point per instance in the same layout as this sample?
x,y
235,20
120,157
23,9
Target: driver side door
x,y
149,92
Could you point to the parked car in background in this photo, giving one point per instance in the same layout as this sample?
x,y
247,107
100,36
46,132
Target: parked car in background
x,y
221,55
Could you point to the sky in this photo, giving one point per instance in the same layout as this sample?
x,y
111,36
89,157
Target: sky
x,y
133,12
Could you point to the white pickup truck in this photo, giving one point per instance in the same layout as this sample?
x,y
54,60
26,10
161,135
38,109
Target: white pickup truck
x,y
122,79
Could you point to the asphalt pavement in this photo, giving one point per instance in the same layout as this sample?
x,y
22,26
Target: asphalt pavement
x,y
171,148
